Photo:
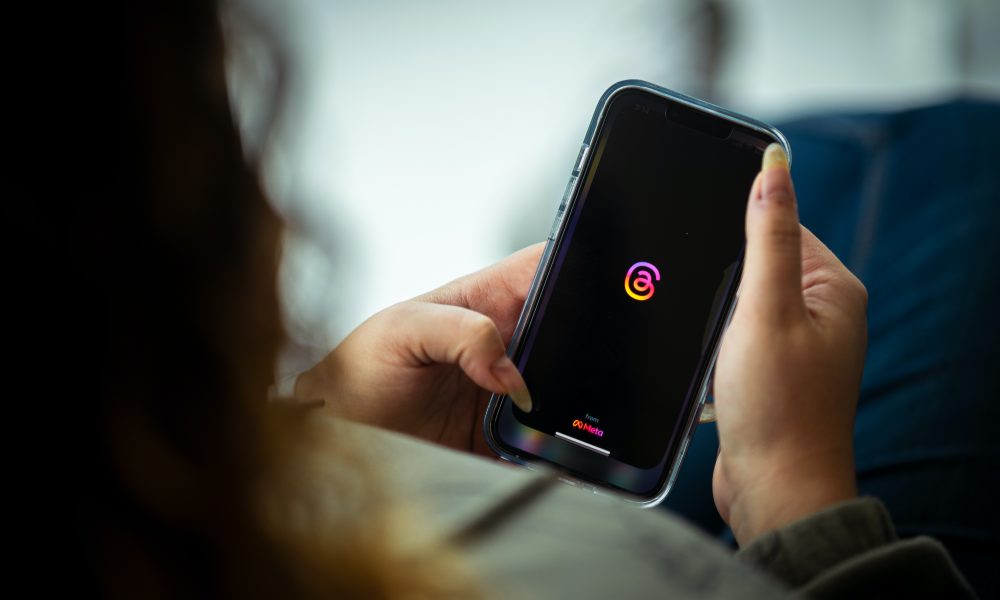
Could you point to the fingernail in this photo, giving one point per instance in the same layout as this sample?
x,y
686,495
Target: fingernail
x,y
774,156
505,370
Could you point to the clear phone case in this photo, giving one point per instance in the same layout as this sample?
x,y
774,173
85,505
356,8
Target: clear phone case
x,y
545,265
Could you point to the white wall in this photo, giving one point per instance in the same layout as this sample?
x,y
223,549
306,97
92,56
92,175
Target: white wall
x,y
424,140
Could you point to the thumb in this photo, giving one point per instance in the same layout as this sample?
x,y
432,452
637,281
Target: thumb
x,y
772,283
440,333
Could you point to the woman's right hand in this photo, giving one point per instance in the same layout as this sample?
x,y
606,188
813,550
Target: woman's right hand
x,y
789,370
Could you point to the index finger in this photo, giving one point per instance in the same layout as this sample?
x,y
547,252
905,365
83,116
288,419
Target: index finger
x,y
497,291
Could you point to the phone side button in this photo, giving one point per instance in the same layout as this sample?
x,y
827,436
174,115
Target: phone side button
x,y
555,226
561,211
581,158
570,188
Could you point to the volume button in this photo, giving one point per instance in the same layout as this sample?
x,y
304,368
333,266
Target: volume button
x,y
561,211
581,158
570,188
555,224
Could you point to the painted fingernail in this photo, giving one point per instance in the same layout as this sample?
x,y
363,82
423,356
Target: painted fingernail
x,y
774,156
505,371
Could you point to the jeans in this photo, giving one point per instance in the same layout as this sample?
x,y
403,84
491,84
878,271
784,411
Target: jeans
x,y
910,202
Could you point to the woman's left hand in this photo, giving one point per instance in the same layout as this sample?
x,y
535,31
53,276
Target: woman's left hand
x,y
427,366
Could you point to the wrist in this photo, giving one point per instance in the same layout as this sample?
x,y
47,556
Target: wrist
x,y
780,494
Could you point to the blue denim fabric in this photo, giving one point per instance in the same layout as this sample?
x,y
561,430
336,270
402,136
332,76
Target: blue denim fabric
x,y
910,202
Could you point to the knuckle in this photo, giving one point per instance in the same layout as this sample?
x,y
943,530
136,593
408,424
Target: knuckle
x,y
397,315
479,327
784,233
476,341
781,195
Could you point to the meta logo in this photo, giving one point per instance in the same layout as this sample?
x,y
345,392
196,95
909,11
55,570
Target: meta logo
x,y
578,424
639,280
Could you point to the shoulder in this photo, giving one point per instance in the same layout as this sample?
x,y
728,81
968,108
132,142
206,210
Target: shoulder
x,y
529,535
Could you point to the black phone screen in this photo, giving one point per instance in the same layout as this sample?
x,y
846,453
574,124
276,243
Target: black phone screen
x,y
641,279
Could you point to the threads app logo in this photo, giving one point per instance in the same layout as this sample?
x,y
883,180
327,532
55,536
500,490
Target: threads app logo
x,y
639,280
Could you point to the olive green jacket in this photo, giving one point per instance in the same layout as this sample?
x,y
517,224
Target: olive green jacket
x,y
528,535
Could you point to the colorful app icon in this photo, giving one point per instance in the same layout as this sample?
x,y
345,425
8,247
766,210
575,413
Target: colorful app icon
x,y
639,280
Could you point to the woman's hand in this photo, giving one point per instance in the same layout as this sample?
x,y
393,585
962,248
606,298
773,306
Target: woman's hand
x,y
426,366
789,370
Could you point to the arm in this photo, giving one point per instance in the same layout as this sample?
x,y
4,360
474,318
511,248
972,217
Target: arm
x,y
426,366
785,390
789,370
786,387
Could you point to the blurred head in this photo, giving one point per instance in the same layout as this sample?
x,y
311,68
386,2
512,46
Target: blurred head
x,y
192,478
187,268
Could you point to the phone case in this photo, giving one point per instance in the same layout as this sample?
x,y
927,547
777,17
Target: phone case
x,y
544,265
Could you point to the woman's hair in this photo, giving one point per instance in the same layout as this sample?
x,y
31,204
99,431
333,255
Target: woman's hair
x,y
196,485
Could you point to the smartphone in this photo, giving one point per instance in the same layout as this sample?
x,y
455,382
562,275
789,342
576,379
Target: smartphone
x,y
619,333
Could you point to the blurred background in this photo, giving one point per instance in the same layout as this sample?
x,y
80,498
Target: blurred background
x,y
408,143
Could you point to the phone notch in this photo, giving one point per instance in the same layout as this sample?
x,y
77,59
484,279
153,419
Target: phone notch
x,y
698,119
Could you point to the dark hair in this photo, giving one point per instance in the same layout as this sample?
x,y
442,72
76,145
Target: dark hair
x,y
188,475
186,269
